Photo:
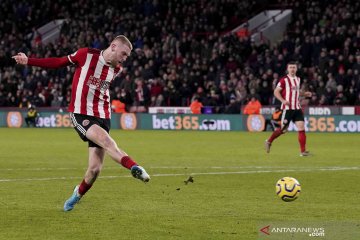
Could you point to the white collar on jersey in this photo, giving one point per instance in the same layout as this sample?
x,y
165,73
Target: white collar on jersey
x,y
102,59
295,77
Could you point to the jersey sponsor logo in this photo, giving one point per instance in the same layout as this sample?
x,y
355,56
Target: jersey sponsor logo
x,y
85,122
97,83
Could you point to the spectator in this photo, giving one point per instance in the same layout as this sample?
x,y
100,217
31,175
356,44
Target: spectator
x,y
141,93
275,121
234,107
357,102
253,107
118,106
31,117
351,96
196,106
24,103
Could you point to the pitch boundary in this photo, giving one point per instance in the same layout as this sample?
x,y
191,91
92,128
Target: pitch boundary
x,y
170,167
192,174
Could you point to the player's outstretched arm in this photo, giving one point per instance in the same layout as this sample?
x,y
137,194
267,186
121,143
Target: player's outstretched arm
x,y
22,59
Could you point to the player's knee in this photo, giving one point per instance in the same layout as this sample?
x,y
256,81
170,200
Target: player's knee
x,y
300,127
108,144
94,171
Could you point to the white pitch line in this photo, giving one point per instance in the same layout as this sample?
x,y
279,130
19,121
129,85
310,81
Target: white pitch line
x,y
37,169
169,167
154,167
187,174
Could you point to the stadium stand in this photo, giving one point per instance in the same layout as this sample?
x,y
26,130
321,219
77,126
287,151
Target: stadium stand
x,y
182,51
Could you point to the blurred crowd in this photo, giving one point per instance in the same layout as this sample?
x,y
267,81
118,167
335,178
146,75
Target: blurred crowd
x,y
182,51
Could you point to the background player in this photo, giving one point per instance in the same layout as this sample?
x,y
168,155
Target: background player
x,y
288,92
90,107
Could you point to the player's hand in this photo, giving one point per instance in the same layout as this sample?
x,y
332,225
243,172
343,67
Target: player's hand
x,y
21,58
286,103
307,94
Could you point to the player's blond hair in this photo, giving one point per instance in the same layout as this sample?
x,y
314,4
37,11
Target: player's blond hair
x,y
123,40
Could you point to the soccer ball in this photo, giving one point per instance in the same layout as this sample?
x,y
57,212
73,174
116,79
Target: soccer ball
x,y
288,189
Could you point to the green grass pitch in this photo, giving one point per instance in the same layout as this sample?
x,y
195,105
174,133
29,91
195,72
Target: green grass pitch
x,y
232,195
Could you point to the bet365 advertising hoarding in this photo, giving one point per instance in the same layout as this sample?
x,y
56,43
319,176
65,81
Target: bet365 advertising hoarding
x,y
336,123
204,122
181,122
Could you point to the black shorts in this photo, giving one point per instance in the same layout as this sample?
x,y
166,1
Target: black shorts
x,y
289,115
83,122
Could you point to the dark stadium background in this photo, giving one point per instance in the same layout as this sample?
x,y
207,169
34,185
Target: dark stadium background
x,y
183,51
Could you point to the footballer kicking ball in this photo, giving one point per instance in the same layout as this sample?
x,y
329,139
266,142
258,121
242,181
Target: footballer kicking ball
x,y
288,189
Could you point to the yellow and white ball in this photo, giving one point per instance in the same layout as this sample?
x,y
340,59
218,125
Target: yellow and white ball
x,y
288,189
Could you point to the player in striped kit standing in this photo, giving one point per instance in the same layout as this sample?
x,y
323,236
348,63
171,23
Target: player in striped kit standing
x,y
90,107
288,92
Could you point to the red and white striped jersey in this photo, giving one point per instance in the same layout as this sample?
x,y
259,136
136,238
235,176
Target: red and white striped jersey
x,y
90,87
290,91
